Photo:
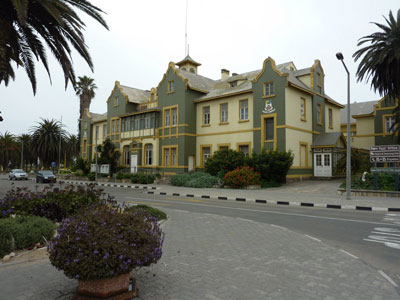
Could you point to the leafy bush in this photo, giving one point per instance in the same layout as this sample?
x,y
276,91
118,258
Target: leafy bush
x,y
156,213
158,175
359,163
272,165
242,177
53,204
91,176
386,182
224,161
142,178
123,176
83,165
26,232
195,179
79,173
101,242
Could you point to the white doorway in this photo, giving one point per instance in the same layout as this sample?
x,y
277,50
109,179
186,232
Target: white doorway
x,y
191,163
322,164
133,163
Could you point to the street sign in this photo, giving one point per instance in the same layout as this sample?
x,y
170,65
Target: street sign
x,y
385,153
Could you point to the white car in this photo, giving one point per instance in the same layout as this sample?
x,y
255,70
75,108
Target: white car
x,y
18,174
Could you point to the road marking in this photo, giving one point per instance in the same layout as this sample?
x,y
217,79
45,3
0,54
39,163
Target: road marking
x,y
277,226
313,238
246,220
146,203
387,278
268,212
389,237
385,233
186,199
387,244
349,254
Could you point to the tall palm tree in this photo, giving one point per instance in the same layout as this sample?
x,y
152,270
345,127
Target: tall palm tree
x,y
9,150
85,90
46,140
25,24
71,148
380,60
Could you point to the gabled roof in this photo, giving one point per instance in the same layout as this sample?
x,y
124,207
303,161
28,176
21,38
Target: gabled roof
x,y
197,81
327,139
222,88
98,117
188,59
134,95
357,108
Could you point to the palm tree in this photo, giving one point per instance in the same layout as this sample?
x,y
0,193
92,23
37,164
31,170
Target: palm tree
x,y
381,60
46,140
24,25
8,150
85,90
72,148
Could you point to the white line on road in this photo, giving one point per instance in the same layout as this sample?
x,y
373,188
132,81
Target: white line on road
x,y
266,211
245,220
277,226
313,238
349,254
387,278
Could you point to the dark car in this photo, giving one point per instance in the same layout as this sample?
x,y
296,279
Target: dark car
x,y
45,176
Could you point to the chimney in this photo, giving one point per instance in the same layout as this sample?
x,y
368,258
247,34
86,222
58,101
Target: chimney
x,y
224,74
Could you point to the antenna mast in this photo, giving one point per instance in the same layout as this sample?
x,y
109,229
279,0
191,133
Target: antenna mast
x,y
186,44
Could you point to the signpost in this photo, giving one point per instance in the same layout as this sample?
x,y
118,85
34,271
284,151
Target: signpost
x,y
385,154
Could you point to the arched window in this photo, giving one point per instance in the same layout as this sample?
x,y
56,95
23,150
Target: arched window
x,y
192,70
127,156
148,154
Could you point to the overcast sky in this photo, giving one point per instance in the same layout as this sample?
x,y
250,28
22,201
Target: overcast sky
x,y
145,36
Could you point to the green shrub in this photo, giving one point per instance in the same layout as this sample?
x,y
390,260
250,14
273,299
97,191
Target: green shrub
x,y
91,176
79,173
83,165
158,175
156,213
108,243
359,163
26,231
224,161
123,176
195,179
142,178
5,236
272,165
242,177
386,182
270,184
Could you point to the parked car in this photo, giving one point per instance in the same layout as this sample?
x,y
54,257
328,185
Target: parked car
x,y
18,174
45,176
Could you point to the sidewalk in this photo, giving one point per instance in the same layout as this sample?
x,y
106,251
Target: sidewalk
x,y
310,193
215,257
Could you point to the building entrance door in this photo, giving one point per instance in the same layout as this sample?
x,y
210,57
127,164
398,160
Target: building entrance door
x,y
323,164
133,163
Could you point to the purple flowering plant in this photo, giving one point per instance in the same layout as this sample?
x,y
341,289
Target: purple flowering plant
x,y
103,241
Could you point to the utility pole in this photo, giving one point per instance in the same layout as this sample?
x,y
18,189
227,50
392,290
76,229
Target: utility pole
x,y
22,155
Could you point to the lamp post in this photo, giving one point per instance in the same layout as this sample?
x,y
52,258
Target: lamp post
x,y
340,57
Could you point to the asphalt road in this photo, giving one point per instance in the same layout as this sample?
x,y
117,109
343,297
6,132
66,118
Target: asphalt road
x,y
373,237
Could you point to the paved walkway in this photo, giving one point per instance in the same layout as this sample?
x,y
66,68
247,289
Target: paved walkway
x,y
215,257
317,193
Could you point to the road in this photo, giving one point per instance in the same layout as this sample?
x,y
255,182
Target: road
x,y
373,237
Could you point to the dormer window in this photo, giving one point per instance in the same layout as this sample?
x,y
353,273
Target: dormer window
x,y
192,71
184,69
115,101
233,83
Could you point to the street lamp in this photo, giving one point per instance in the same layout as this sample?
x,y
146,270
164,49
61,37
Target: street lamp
x,y
340,57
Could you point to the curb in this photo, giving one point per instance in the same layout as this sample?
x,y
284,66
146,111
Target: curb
x,y
144,187
283,203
